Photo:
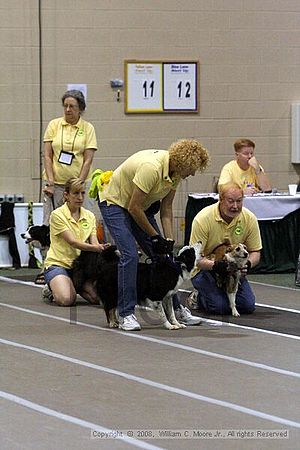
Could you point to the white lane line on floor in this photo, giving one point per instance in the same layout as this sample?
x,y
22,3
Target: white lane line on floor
x,y
204,319
74,420
29,283
172,344
263,305
156,385
275,286
280,308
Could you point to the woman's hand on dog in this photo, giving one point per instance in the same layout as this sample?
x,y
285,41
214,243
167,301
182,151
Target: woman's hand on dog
x,y
162,246
98,247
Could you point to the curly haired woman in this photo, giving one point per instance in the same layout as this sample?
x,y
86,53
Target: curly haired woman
x,y
142,185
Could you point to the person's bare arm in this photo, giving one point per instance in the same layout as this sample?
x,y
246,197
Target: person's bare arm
x,y
48,164
262,178
254,258
166,214
92,246
87,162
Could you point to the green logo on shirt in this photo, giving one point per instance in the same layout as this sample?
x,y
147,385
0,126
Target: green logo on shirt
x,y
238,230
85,225
80,132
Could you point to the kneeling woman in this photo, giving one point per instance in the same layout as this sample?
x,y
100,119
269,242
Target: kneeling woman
x,y
72,229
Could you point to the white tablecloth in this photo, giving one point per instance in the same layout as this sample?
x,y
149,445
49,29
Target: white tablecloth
x,y
265,206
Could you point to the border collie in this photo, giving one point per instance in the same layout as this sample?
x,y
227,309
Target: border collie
x,y
156,282
39,237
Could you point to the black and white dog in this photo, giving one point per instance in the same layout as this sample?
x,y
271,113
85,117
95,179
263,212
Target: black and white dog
x,y
156,282
39,237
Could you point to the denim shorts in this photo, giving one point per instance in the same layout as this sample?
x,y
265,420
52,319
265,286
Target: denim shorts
x,y
53,271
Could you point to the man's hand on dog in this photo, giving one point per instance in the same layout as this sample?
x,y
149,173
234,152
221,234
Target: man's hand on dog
x,y
246,269
162,246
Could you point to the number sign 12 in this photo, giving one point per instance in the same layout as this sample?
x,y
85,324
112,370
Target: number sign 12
x,y
180,86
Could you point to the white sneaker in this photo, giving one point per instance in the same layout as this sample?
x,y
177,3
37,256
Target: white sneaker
x,y
129,323
47,294
183,315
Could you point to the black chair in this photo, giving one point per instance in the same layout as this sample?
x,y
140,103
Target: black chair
x,y
7,227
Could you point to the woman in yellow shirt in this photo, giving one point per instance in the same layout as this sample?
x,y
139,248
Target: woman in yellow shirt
x,y
72,230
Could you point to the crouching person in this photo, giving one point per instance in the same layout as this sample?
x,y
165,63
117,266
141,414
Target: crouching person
x,y
72,229
213,225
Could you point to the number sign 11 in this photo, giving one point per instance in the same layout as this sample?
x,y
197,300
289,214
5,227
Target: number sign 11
x,y
143,87
158,87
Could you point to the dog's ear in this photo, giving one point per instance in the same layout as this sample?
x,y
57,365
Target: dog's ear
x,y
229,249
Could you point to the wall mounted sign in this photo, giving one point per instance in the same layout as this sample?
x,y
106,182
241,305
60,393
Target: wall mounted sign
x,y
161,87
78,87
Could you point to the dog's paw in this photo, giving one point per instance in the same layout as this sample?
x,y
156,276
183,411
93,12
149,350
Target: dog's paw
x,y
178,326
114,324
174,326
235,313
170,326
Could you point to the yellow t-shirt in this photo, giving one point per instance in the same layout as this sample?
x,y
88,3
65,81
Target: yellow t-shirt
x,y
146,169
70,138
209,228
60,252
232,172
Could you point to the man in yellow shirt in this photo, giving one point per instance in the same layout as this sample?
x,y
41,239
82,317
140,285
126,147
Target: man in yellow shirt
x,y
245,170
146,180
213,225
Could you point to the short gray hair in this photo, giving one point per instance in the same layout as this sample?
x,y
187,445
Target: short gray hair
x,y
77,95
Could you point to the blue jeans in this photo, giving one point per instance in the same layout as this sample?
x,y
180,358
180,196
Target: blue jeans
x,y
125,233
214,300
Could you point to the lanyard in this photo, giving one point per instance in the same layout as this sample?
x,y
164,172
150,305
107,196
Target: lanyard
x,y
62,139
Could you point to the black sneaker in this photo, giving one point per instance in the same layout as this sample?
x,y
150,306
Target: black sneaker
x,y
47,295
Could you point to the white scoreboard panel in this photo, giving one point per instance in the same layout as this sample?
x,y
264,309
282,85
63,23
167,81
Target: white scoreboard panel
x,y
161,87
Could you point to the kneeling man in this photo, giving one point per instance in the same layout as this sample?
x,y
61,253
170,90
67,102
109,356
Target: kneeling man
x,y
213,226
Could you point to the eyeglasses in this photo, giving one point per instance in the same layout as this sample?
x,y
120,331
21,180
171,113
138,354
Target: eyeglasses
x,y
67,106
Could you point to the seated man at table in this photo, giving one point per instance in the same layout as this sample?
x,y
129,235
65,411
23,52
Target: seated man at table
x,y
245,170
214,225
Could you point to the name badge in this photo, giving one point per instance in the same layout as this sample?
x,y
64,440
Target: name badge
x,y
66,157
